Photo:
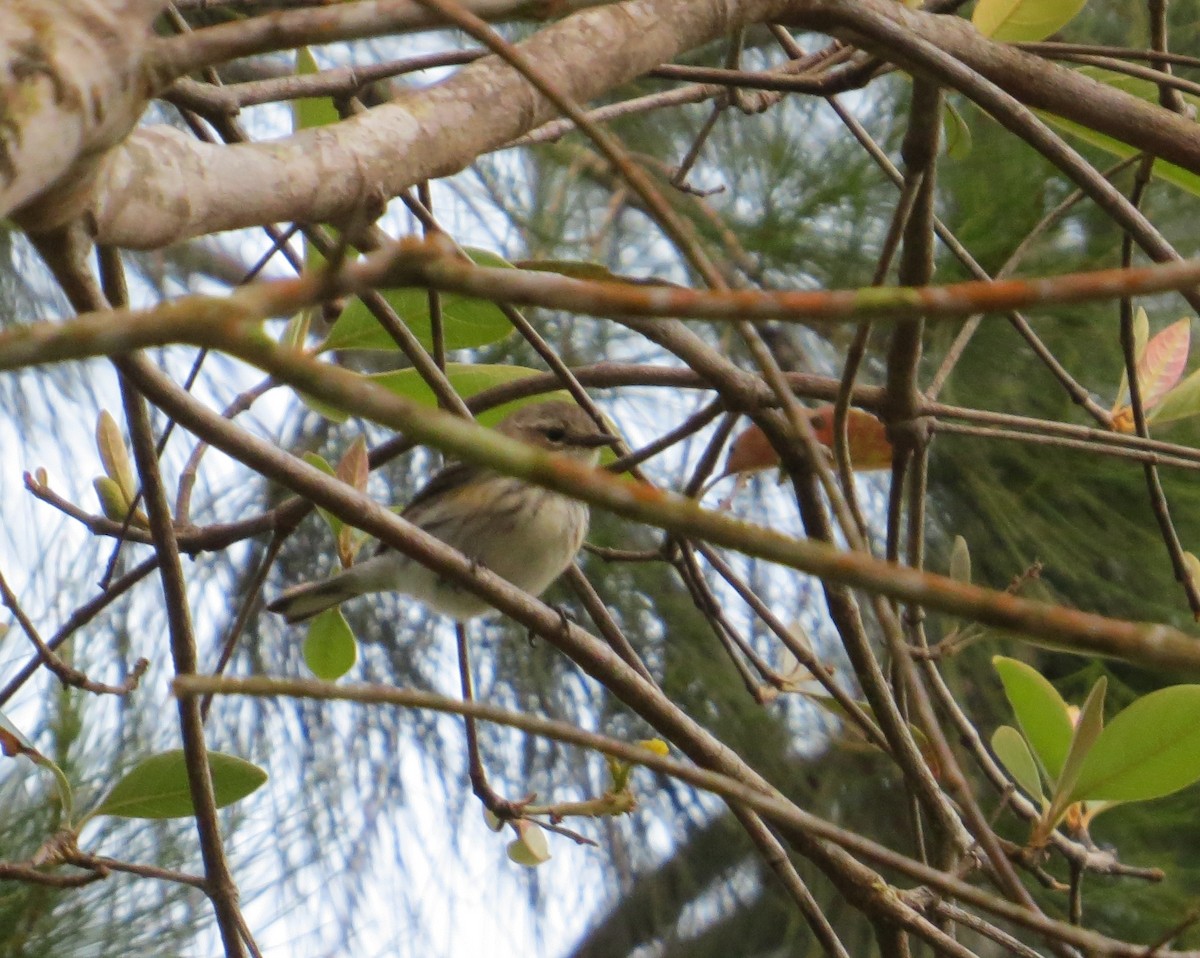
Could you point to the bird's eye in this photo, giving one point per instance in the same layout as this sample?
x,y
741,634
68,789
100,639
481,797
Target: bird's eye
x,y
556,434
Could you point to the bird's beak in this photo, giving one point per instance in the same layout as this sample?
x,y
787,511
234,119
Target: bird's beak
x,y
595,440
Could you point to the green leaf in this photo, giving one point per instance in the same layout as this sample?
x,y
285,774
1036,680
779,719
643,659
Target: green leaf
x,y
329,647
467,380
466,322
1150,749
1180,403
960,561
1141,336
313,459
1040,711
295,333
956,132
1145,90
111,444
113,503
573,268
1013,751
13,743
1016,21
158,786
310,112
1087,730
530,847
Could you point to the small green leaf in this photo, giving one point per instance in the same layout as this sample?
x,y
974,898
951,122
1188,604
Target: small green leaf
x,y
13,743
1150,749
355,467
1087,730
530,847
1013,751
296,331
113,503
158,786
1016,21
1141,336
1180,403
960,561
956,132
310,112
314,459
111,444
1040,711
329,647
466,322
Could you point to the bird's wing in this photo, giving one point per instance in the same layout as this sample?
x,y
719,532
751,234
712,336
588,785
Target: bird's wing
x,y
446,480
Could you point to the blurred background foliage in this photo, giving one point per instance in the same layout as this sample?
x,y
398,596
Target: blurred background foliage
x,y
371,794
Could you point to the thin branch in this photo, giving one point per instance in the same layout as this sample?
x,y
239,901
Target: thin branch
x,y
67,674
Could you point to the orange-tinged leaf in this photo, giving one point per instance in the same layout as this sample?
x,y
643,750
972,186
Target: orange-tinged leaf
x,y
865,435
750,452
1163,361
1160,365
355,466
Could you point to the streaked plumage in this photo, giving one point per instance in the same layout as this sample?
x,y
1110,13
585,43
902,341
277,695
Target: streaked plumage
x,y
525,534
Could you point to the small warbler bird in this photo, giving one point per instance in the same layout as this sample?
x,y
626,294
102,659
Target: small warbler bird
x,y
525,534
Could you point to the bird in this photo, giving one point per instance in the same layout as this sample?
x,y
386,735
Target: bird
x,y
523,533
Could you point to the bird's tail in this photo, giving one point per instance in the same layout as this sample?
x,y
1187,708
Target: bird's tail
x,y
303,601
380,573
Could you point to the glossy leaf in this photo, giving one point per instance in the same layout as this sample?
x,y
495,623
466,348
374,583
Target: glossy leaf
x,y
157,787
1013,751
329,647
1039,710
466,322
1087,730
1017,21
1150,749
